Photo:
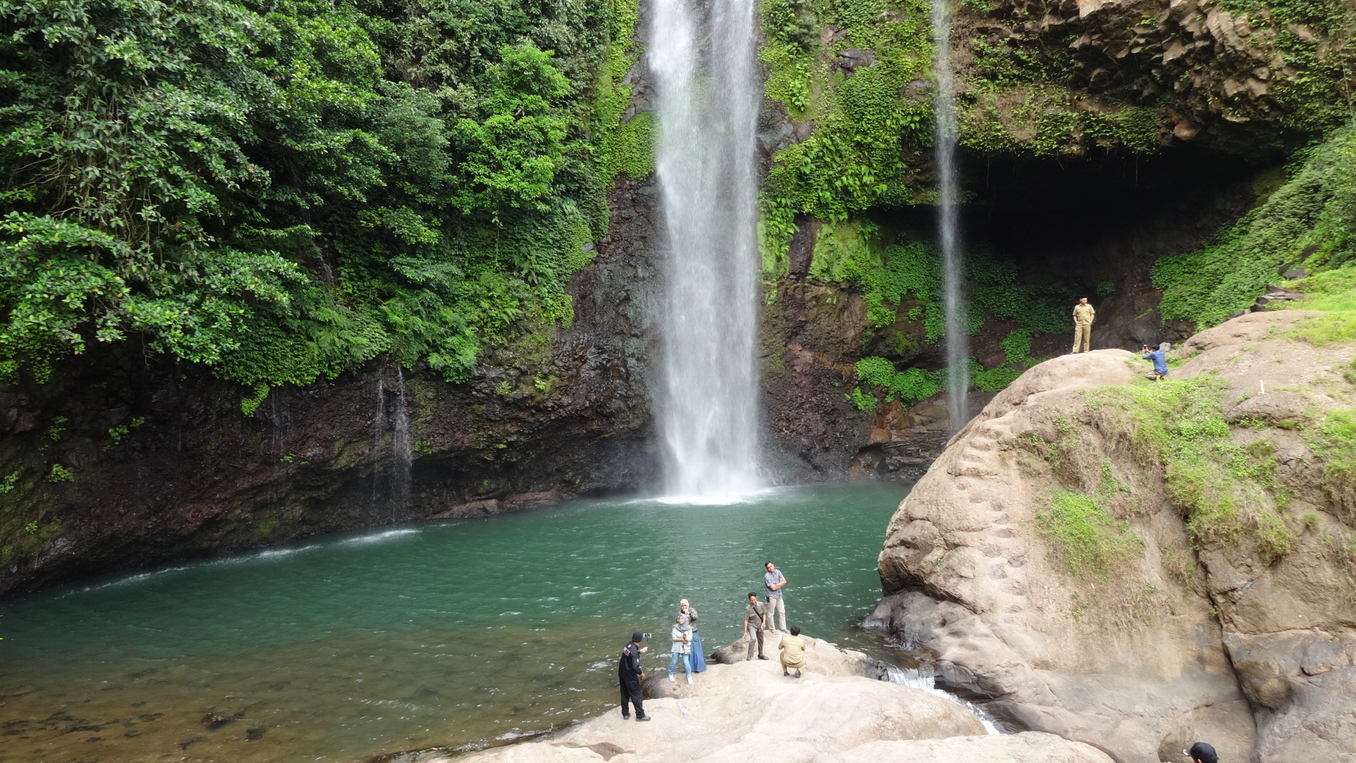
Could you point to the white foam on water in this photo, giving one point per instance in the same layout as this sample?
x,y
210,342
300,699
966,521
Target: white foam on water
x,y
378,537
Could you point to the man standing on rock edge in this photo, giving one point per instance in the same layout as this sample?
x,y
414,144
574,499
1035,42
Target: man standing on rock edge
x,y
755,614
1083,316
774,581
629,674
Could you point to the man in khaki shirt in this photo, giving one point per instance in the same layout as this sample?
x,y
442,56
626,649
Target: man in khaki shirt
x,y
1083,316
755,617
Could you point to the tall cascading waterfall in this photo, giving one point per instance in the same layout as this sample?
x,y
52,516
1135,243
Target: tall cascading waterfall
x,y
948,233
707,105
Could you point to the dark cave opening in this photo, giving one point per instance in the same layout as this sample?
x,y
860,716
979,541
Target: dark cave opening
x,y
1103,216
1085,220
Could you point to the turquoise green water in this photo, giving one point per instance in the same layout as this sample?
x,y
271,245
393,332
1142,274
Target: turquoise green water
x,y
458,634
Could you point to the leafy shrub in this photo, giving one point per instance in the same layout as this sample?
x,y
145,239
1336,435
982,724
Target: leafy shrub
x,y
910,385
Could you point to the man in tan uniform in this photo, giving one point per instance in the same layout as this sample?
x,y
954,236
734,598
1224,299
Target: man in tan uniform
x,y
1083,316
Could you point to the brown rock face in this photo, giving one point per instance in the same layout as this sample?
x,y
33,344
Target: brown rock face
x,y
1176,645
166,466
1217,70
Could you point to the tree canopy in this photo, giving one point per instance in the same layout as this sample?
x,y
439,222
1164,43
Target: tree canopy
x,y
285,189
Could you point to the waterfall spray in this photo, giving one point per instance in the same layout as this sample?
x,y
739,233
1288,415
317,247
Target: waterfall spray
x,y
707,108
953,271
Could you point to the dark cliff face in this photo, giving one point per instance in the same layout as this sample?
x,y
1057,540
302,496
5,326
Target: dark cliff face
x,y
128,461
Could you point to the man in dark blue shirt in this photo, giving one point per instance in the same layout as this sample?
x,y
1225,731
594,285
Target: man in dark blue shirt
x,y
1159,357
630,674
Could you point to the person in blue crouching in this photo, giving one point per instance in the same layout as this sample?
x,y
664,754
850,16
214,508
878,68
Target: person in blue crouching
x,y
1160,359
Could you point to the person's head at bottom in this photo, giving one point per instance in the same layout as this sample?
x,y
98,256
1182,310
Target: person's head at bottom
x,y
795,630
753,597
637,637
1202,753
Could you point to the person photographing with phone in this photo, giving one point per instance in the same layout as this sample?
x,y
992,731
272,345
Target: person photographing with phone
x,y
630,674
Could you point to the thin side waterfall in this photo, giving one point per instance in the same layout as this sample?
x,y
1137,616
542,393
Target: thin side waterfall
x,y
704,75
378,429
394,472
948,230
402,450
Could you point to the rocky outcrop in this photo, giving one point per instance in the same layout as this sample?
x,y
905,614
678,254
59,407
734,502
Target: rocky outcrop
x,y
128,461
1215,632
1222,74
749,711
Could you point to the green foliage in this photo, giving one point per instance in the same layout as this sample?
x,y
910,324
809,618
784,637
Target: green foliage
x,y
249,405
1085,539
8,483
1017,358
1328,328
122,430
1106,289
852,160
863,401
1225,492
1313,212
515,146
851,253
57,428
60,473
286,191
1330,290
1039,119
1333,439
1317,93
631,150
909,386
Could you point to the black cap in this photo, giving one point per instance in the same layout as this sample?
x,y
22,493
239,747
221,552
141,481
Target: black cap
x,y
1203,752
637,636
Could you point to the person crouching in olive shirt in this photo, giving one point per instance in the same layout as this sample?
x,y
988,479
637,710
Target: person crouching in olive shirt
x,y
629,675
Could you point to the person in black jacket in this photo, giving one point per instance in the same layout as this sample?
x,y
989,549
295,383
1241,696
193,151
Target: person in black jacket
x,y
629,675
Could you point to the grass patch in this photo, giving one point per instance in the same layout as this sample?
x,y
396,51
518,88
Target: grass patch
x,y
1333,439
1332,290
1226,492
1086,540
1326,329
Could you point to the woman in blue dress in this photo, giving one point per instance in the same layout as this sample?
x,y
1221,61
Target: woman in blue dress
x,y
698,658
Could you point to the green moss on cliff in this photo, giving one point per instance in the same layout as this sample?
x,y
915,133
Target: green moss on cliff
x,y
1034,119
1226,491
1087,541
865,118
1311,219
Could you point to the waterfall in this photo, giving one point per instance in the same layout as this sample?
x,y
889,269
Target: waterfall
x,y
402,450
401,461
707,105
378,429
948,233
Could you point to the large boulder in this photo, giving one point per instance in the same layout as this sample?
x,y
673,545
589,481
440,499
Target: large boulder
x,y
1235,627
